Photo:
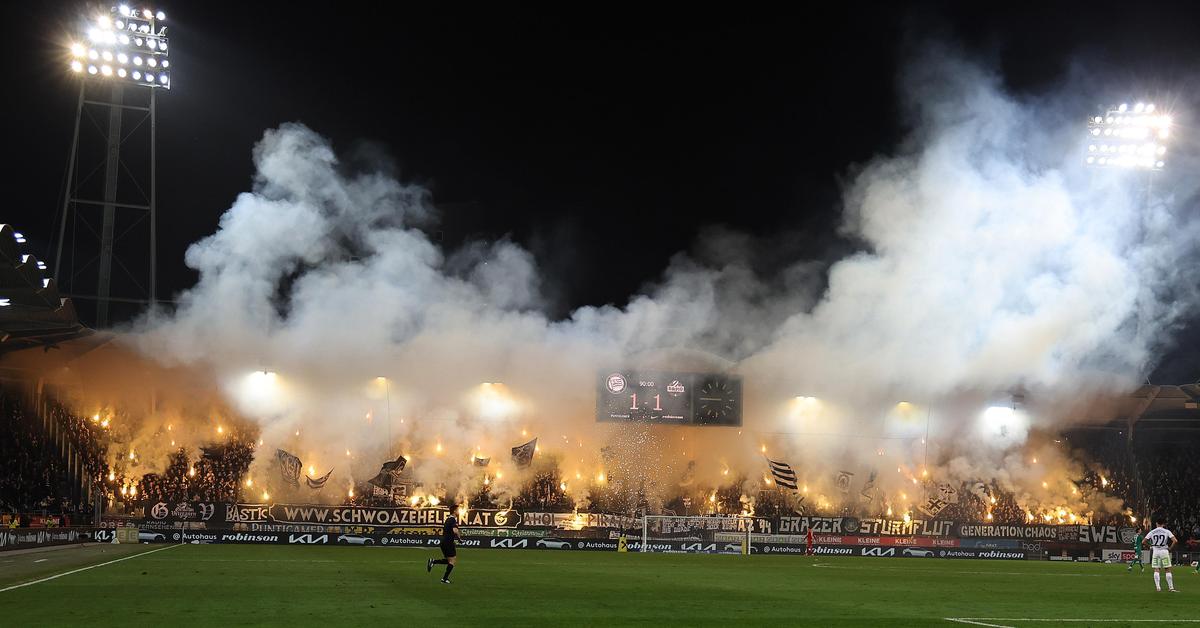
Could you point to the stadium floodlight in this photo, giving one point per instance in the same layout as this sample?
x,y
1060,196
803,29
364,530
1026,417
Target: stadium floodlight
x,y
1128,138
112,43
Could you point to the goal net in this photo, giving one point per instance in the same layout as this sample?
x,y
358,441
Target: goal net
x,y
696,535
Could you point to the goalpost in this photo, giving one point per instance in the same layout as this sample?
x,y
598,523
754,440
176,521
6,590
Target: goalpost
x,y
696,534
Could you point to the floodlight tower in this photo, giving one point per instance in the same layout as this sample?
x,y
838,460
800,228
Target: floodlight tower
x,y
123,48
1135,138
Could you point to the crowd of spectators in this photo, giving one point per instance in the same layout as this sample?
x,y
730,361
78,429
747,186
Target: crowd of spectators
x,y
1151,476
215,476
33,468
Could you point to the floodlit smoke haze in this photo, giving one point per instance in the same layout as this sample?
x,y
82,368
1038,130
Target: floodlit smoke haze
x,y
989,258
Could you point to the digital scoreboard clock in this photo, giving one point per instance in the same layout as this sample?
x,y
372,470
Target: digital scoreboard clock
x,y
669,398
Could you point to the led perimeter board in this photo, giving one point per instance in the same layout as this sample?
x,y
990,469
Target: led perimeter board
x,y
669,398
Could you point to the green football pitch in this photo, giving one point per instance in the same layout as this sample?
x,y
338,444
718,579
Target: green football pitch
x,y
245,585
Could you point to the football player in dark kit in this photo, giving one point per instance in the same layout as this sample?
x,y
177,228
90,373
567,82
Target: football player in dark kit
x,y
450,534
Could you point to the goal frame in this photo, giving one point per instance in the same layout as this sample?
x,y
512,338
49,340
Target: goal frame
x,y
746,533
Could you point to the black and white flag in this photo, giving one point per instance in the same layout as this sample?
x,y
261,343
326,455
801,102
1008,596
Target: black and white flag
x,y
318,483
389,473
522,455
843,481
289,467
480,462
870,484
783,473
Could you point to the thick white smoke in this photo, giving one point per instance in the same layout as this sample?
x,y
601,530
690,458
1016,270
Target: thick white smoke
x,y
990,259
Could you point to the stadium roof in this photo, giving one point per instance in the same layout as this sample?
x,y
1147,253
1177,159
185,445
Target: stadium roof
x,y
32,313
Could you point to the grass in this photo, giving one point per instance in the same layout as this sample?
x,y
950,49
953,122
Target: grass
x,y
256,585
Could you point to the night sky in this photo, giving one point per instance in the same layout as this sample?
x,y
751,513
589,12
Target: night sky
x,y
603,138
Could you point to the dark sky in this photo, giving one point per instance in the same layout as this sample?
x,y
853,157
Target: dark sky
x,y
601,137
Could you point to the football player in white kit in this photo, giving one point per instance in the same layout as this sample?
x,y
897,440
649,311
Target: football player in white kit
x,y
1161,541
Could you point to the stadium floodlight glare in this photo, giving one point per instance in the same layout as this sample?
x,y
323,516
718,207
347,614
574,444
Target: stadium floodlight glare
x,y
1126,138
113,45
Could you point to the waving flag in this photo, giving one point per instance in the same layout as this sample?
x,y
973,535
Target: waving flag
x,y
843,481
522,455
289,467
318,483
389,473
784,475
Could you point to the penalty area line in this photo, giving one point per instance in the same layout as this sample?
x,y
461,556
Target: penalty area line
x,y
67,573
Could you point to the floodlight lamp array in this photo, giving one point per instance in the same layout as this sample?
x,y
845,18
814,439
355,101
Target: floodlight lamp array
x,y
127,44
1128,137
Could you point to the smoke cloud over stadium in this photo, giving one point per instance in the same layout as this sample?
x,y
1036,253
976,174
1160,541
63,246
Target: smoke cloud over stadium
x,y
989,261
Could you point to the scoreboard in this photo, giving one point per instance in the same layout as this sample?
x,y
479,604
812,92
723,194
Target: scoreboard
x,y
669,398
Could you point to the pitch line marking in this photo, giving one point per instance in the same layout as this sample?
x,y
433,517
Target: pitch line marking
x,y
982,621
25,584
